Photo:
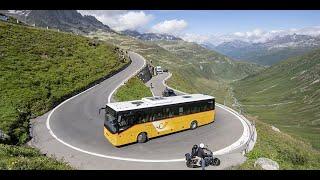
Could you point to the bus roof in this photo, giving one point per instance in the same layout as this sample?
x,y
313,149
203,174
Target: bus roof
x,y
156,101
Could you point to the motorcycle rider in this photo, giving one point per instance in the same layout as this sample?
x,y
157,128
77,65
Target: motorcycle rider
x,y
202,155
194,151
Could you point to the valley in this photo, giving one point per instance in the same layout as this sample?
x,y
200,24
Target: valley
x,y
194,68
275,84
286,95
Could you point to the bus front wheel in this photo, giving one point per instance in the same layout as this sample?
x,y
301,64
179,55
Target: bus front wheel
x,y
193,125
142,137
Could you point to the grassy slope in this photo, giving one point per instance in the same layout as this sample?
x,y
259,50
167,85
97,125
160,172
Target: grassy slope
x,y
287,151
27,158
295,83
40,67
134,89
210,71
269,57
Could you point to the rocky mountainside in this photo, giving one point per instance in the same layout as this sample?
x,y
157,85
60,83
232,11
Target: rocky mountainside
x,y
149,36
270,51
64,20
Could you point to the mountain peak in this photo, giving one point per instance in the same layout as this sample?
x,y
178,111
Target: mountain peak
x,y
65,20
149,36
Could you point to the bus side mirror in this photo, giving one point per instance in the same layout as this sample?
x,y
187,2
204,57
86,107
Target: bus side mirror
x,y
101,109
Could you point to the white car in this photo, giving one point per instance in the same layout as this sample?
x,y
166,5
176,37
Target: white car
x,y
159,70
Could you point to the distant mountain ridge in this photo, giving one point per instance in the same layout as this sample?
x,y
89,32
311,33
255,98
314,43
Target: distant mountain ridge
x,y
149,36
65,20
73,21
271,51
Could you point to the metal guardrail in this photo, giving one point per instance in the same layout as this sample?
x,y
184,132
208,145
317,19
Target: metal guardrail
x,y
253,133
252,137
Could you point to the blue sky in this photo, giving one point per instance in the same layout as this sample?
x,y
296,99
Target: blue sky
x,y
214,26
224,22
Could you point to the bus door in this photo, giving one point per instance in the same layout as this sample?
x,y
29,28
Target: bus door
x,y
161,122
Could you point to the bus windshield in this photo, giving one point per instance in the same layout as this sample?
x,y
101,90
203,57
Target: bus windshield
x,y
111,120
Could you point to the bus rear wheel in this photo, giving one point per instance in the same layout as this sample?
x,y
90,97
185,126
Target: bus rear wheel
x,y
193,125
142,137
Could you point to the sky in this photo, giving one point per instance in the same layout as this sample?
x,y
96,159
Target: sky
x,y
213,25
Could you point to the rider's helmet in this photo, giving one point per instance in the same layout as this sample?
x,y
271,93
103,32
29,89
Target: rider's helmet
x,y
201,145
195,146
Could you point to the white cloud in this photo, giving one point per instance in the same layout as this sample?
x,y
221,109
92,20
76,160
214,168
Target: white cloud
x,y
120,20
258,35
240,34
195,38
173,27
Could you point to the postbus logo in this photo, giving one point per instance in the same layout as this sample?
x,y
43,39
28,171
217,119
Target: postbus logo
x,y
160,125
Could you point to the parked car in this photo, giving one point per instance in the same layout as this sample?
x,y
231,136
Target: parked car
x,y
159,70
168,92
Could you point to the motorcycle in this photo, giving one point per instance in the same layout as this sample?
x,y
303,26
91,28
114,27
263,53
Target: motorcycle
x,y
193,161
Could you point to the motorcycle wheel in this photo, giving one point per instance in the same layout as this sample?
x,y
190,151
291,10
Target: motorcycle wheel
x,y
216,162
189,165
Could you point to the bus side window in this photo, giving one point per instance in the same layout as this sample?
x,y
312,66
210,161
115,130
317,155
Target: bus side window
x,y
165,112
152,117
180,110
187,109
203,106
139,118
145,118
158,115
170,112
211,105
124,121
176,111
196,108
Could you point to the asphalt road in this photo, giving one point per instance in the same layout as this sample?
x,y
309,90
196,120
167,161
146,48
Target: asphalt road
x,y
77,132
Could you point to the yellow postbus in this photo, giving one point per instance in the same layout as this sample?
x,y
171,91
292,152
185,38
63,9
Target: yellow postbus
x,y
140,120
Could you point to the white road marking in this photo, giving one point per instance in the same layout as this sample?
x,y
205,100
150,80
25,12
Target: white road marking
x,y
152,92
122,83
222,151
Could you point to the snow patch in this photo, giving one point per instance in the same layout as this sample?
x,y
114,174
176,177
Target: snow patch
x,y
20,12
